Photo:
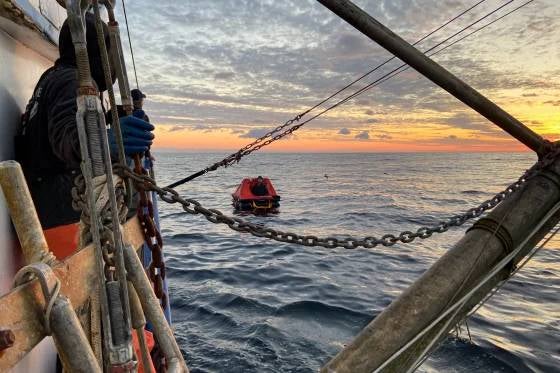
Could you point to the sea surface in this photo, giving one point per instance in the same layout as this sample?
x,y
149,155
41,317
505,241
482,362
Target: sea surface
x,y
247,304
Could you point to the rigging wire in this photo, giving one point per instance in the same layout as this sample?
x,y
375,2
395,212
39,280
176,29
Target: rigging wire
x,y
393,57
461,39
436,339
248,149
396,71
258,143
517,269
299,116
130,45
527,258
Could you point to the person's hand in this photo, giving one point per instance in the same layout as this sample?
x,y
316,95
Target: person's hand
x,y
137,136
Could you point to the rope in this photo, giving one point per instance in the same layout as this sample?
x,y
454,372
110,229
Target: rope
x,y
497,268
258,144
495,290
130,44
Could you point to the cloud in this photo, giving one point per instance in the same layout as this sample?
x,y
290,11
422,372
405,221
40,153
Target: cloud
x,y
224,76
203,127
344,131
553,102
472,122
364,135
176,128
202,67
255,133
384,137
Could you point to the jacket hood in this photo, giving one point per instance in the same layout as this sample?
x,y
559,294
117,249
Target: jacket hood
x,y
68,55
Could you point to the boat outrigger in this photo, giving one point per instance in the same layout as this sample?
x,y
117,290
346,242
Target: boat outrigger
x,y
246,198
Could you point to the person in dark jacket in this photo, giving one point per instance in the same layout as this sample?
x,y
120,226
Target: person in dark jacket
x,y
47,144
138,102
137,106
259,189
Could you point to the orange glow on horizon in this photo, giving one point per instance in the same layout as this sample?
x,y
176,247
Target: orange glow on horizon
x,y
417,131
223,140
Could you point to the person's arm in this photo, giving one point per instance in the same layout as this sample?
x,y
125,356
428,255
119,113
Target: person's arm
x,y
61,112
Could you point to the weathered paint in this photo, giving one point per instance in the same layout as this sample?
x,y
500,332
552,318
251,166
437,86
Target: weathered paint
x,y
21,309
24,54
22,212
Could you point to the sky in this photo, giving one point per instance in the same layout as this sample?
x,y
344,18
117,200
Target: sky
x,y
218,74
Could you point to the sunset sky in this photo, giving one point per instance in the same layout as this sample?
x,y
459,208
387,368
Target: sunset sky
x,y
218,74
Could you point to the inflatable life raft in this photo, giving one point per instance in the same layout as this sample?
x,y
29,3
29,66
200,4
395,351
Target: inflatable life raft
x,y
245,200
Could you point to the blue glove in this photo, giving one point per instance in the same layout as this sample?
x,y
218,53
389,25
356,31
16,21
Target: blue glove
x,y
137,136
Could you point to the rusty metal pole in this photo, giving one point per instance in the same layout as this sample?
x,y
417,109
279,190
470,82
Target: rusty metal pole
x,y
377,32
153,311
60,320
24,217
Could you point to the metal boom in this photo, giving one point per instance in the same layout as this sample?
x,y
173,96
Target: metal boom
x,y
377,32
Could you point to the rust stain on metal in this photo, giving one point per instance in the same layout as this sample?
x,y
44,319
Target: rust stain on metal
x,y
21,310
23,214
7,339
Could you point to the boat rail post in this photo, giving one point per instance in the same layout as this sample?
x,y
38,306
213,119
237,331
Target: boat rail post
x,y
66,330
153,311
379,33
24,216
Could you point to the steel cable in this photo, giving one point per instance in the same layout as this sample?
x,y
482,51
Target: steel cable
x,y
130,45
260,142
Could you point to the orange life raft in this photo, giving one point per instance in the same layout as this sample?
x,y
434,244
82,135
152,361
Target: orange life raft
x,y
245,200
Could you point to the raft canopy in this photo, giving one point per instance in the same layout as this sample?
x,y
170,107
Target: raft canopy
x,y
245,199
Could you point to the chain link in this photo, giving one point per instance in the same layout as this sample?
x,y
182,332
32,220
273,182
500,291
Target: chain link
x,y
194,207
258,143
80,204
152,236
249,148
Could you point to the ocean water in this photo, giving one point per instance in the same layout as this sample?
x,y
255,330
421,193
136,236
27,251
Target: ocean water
x,y
246,304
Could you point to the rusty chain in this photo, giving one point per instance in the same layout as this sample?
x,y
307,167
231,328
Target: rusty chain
x,y
249,148
152,236
258,143
80,204
193,207
275,134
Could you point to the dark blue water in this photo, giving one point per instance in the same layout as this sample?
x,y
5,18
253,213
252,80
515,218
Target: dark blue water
x,y
245,304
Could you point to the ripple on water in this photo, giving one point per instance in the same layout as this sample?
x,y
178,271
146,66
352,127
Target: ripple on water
x,y
244,304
